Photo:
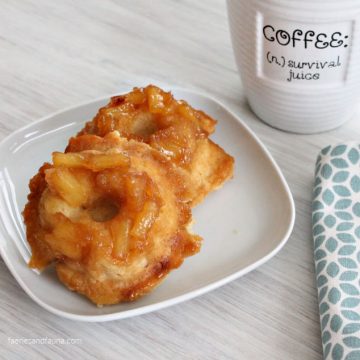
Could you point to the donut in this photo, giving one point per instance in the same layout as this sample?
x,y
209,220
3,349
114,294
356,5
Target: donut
x,y
152,116
111,214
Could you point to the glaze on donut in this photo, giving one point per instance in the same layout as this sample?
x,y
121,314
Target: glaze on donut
x,y
111,214
174,128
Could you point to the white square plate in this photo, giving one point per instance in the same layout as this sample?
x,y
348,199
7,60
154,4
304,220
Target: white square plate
x,y
243,225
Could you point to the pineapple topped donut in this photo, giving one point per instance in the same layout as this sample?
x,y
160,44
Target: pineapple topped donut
x,y
111,214
174,128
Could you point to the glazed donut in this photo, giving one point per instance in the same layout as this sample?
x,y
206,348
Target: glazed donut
x,y
174,128
110,213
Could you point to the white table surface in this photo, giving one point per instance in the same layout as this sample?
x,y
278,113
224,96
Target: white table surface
x,y
56,54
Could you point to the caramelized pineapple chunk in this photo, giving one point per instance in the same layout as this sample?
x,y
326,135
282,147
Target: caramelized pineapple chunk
x,y
51,205
156,100
177,142
136,97
136,186
67,239
187,112
74,186
120,234
90,160
145,219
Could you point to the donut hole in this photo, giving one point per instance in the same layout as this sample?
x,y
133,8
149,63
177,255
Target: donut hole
x,y
144,125
103,209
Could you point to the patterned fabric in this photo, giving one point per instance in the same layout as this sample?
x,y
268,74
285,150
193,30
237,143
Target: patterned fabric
x,y
336,231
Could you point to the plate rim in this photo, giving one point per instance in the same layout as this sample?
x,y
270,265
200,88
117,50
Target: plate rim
x,y
191,294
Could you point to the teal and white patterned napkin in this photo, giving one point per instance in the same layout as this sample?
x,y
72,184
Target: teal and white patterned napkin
x,y
336,231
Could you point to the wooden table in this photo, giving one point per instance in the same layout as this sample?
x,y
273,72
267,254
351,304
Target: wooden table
x,y
56,54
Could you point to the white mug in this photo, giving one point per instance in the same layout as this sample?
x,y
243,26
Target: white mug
x,y
299,60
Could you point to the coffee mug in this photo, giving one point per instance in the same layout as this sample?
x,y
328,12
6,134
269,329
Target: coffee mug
x,y
299,60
